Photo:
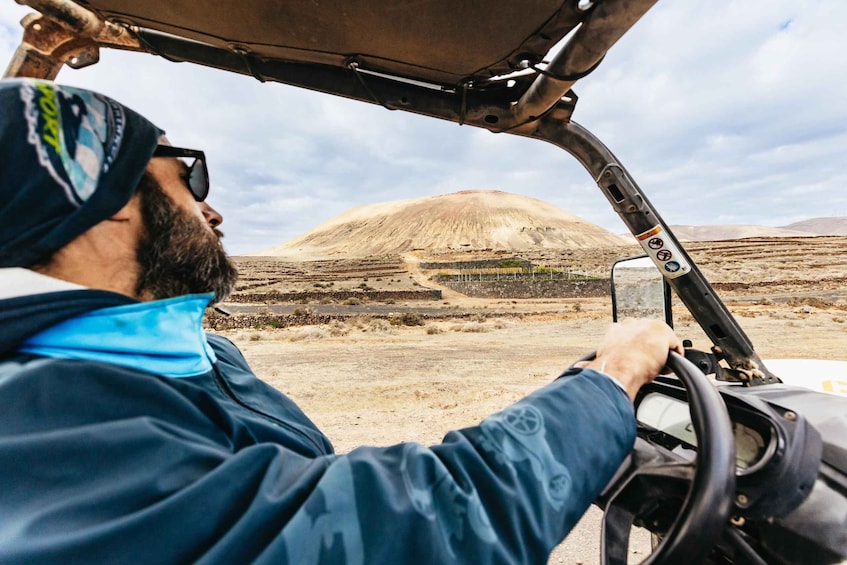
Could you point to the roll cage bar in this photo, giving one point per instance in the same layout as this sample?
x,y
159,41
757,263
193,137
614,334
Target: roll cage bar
x,y
535,103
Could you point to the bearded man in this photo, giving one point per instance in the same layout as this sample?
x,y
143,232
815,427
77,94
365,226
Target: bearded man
x,y
128,434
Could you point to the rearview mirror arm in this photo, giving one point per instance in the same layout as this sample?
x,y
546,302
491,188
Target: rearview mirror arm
x,y
645,223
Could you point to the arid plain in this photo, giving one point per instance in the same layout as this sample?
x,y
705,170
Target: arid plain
x,y
374,369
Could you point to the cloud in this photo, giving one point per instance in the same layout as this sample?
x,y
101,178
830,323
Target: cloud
x,y
722,111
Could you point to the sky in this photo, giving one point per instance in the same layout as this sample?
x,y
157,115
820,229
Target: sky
x,y
725,112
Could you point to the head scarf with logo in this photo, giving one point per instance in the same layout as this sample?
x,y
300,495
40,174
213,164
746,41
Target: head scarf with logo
x,y
69,159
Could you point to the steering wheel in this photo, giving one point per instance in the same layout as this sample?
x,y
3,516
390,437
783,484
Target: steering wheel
x,y
710,482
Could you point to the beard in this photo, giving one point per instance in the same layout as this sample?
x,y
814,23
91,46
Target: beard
x,y
178,254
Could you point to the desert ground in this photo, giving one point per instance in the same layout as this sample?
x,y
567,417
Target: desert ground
x,y
379,372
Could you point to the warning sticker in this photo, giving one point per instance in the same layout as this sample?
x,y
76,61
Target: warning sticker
x,y
664,255
664,252
656,243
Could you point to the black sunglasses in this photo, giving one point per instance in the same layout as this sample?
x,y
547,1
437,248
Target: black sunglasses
x,y
197,177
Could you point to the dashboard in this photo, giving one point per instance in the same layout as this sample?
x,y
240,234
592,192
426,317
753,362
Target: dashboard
x,y
790,481
755,437
777,451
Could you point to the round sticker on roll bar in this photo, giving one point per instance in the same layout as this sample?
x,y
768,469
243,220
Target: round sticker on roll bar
x,y
664,252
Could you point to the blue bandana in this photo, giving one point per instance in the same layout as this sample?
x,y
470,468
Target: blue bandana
x,y
69,159
165,337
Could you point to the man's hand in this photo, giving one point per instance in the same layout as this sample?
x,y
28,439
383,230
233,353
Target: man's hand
x,y
634,352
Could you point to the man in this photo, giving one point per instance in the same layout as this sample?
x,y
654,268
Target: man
x,y
127,434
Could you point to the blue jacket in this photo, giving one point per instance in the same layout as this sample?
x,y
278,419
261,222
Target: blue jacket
x,y
128,435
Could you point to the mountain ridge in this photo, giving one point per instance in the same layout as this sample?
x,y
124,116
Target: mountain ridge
x,y
466,220
831,225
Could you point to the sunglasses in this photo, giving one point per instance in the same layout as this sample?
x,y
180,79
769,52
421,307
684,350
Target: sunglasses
x,y
197,177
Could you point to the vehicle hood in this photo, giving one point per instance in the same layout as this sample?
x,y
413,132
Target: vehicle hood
x,y
815,374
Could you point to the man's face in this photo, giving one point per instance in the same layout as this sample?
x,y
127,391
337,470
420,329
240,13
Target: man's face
x,y
180,252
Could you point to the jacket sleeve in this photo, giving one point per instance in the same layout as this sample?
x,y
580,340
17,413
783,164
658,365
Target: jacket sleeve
x,y
505,491
123,467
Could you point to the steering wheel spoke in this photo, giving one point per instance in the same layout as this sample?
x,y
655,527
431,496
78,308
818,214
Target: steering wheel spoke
x,y
688,501
647,494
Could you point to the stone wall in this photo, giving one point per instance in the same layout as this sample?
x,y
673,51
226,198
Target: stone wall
x,y
337,295
478,264
529,288
215,321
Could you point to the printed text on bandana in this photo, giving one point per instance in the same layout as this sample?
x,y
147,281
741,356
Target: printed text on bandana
x,y
76,134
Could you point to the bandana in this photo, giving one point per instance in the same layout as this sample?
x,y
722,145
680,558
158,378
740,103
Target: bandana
x,y
69,159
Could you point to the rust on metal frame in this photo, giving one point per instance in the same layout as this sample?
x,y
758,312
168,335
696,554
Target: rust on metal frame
x,y
64,33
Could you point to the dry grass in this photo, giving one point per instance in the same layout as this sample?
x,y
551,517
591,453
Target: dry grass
x,y
406,319
379,326
308,333
337,328
470,327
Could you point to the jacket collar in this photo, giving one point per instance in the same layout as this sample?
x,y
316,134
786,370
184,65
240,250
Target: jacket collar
x,y
32,303
57,319
165,337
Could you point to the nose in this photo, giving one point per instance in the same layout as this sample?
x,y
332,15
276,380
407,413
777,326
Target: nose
x,y
212,217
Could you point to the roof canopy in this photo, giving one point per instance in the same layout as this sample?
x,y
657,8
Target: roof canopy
x,y
438,41
480,62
